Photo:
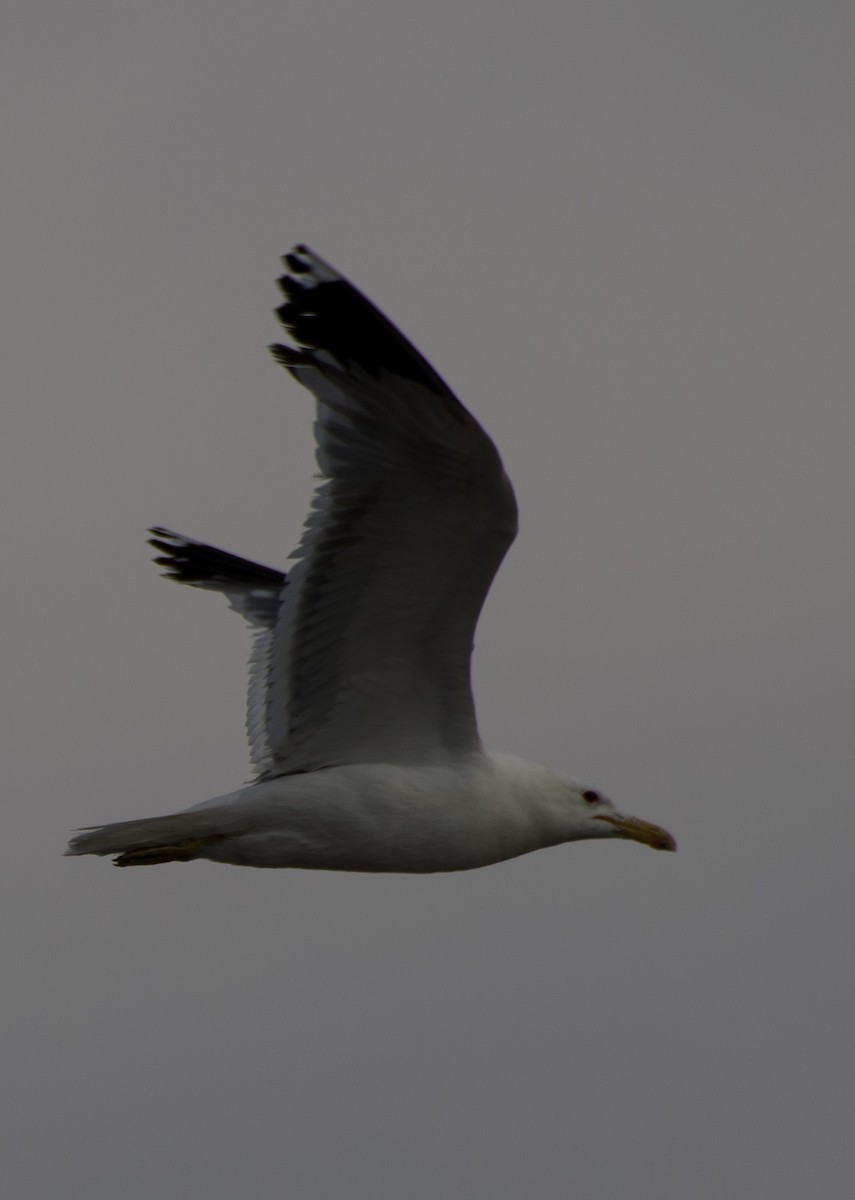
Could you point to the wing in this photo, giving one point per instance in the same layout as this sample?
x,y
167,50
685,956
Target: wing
x,y
253,591
369,655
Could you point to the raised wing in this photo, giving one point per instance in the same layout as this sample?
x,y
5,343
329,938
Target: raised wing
x,y
369,656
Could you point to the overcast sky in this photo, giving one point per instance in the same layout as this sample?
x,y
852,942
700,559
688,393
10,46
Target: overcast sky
x,y
622,231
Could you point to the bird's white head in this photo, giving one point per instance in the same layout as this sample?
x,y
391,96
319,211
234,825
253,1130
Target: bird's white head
x,y
565,811
590,815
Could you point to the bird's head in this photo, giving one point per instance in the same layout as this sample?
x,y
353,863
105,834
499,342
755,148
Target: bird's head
x,y
593,816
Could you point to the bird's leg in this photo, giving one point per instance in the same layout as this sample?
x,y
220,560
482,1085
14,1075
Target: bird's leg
x,y
181,852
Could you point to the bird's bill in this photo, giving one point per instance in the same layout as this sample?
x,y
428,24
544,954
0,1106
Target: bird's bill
x,y
641,831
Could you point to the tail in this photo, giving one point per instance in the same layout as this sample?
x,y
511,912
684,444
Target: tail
x,y
175,838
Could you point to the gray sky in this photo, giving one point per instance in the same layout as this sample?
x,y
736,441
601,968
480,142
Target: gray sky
x,y
623,233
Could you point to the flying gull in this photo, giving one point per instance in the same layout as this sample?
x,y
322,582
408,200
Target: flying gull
x,y
360,718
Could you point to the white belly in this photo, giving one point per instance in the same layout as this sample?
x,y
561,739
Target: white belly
x,y
377,817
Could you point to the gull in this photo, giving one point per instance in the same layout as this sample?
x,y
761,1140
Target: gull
x,y
360,716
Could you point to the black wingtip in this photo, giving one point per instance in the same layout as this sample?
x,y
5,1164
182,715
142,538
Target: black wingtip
x,y
289,358
287,355
325,314
295,263
188,561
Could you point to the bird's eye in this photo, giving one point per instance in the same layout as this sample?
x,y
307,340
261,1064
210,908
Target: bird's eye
x,y
591,796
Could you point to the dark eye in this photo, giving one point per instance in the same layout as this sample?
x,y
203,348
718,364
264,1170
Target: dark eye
x,y
591,796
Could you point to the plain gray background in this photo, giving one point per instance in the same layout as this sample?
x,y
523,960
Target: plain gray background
x,y
623,232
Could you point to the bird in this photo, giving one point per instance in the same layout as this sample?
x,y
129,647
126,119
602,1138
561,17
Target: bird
x,y
360,716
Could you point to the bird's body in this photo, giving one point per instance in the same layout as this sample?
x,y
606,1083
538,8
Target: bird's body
x,y
360,716
371,817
